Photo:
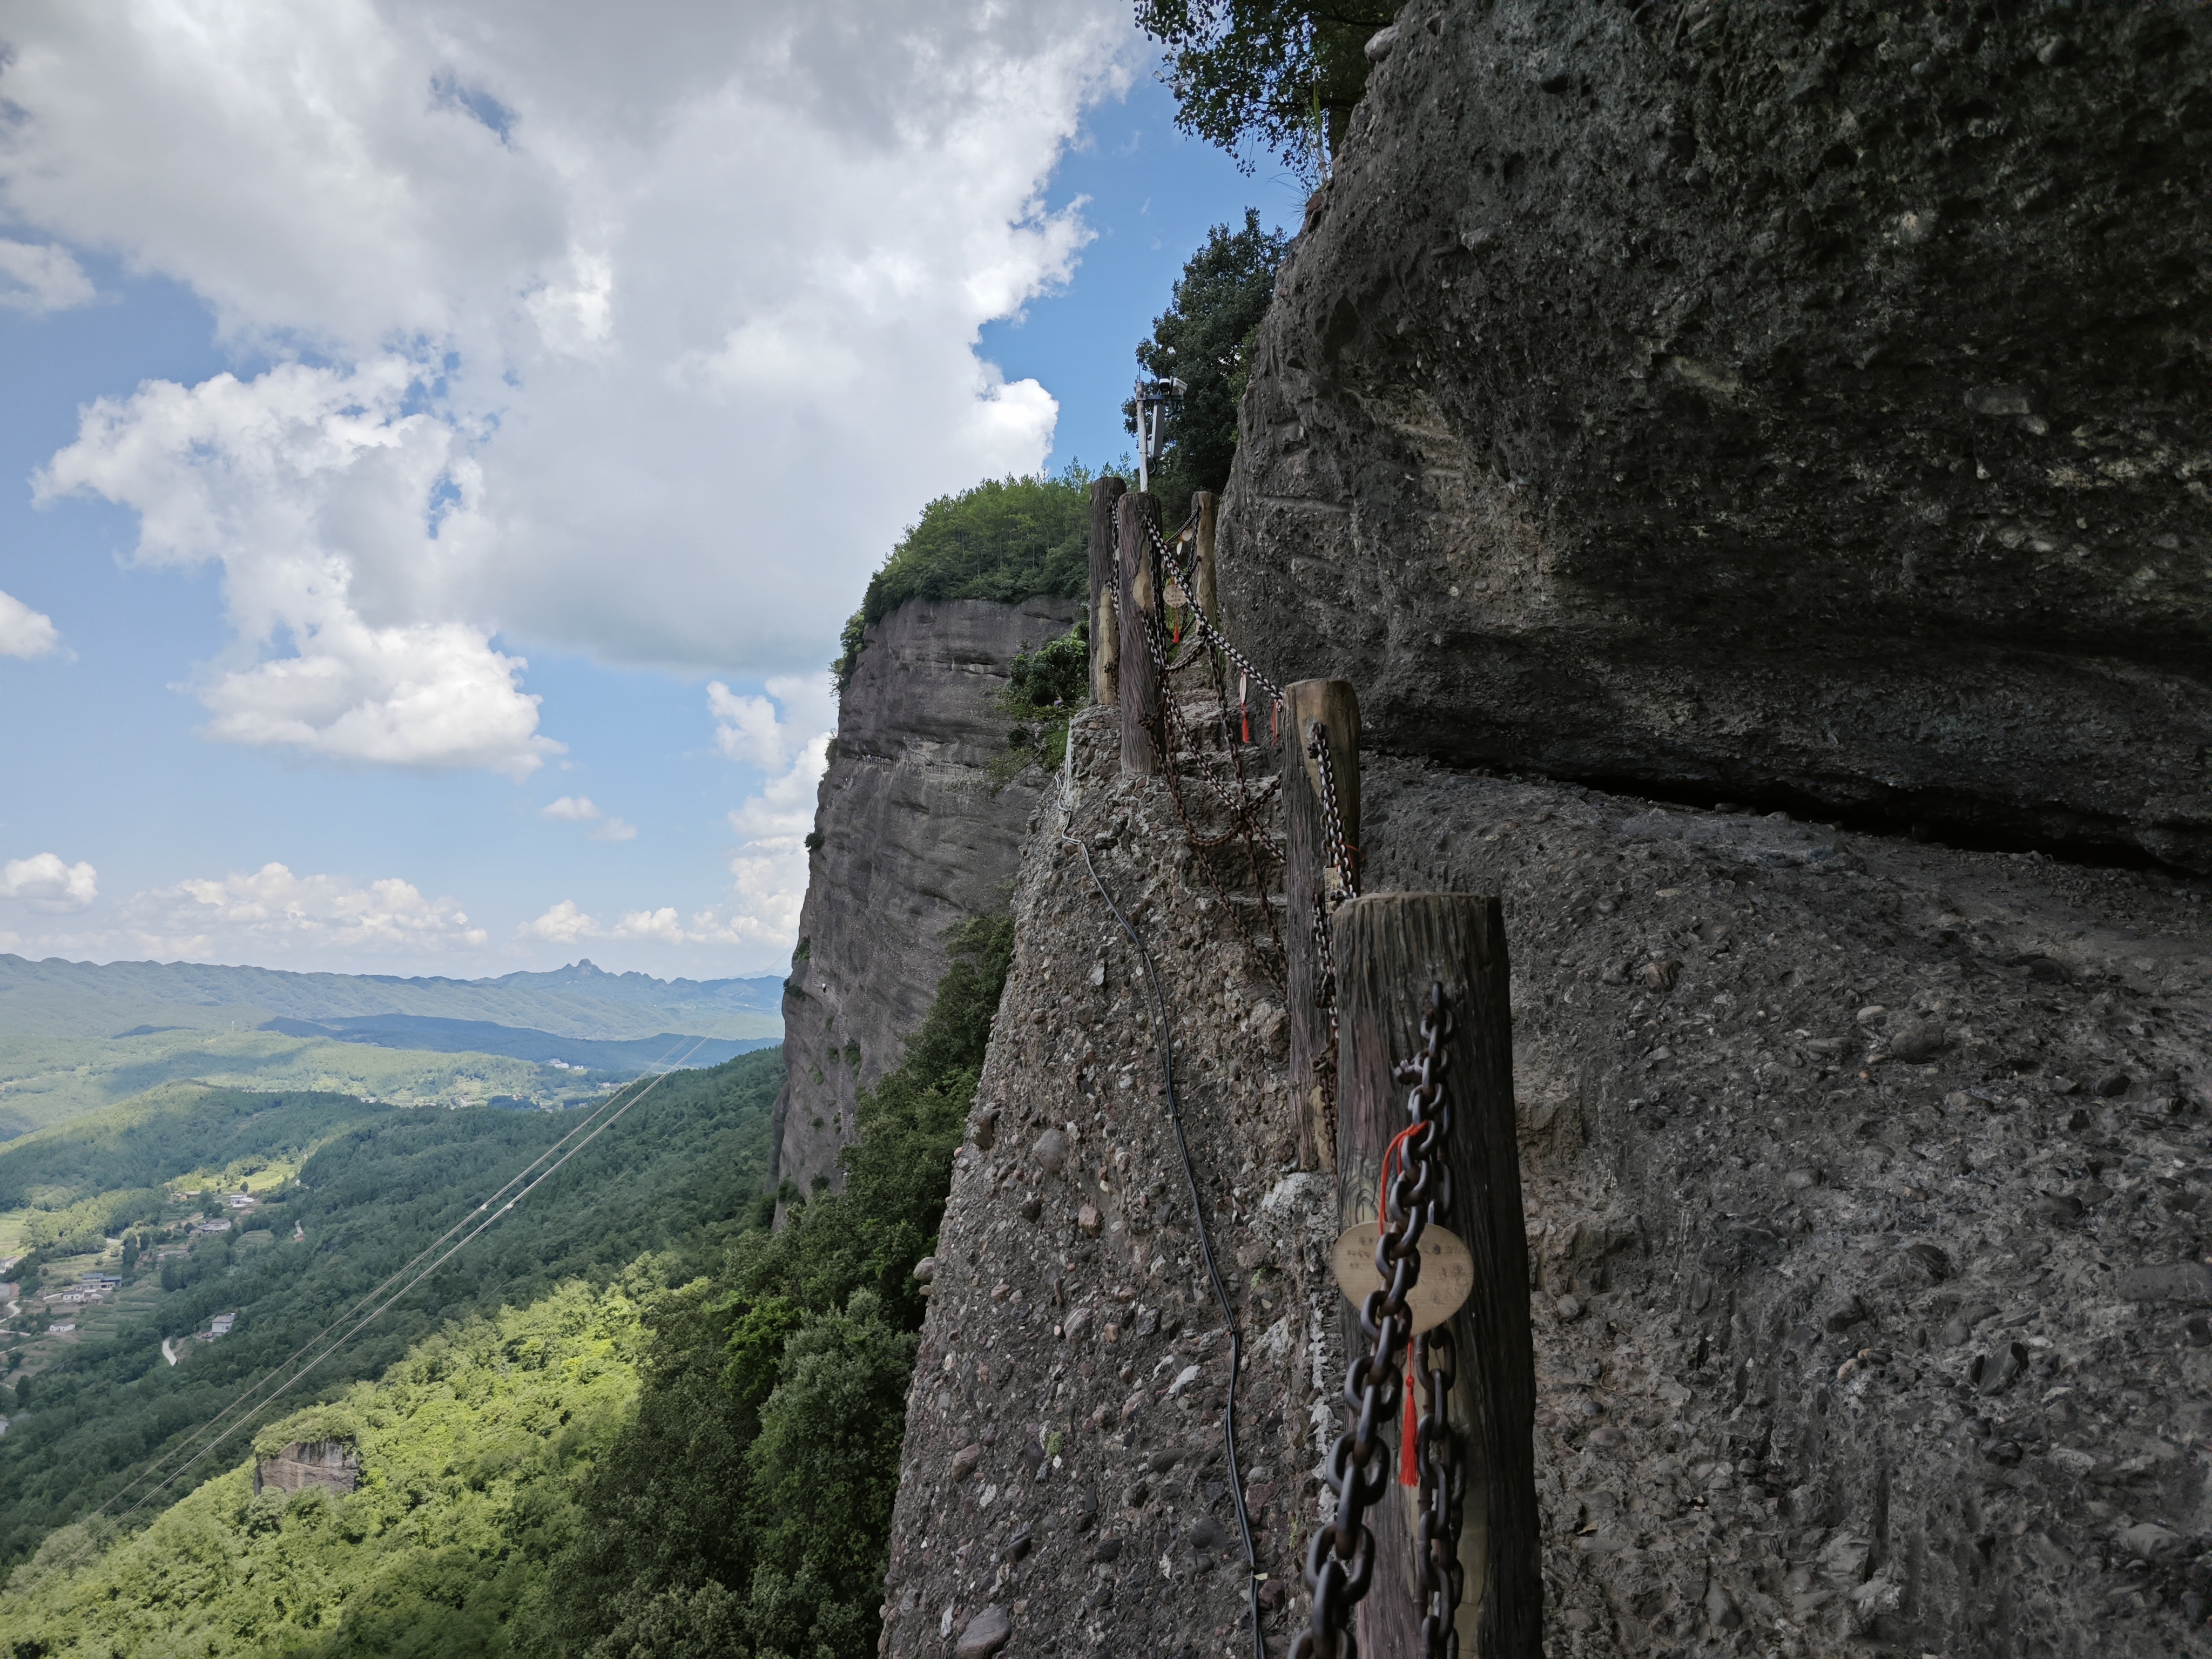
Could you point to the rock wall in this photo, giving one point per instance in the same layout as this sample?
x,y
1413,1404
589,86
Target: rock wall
x,y
330,1463
1864,1178
1669,407
1804,406
912,840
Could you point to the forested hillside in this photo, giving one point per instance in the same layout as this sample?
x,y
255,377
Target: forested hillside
x,y
682,1171
512,1498
470,1451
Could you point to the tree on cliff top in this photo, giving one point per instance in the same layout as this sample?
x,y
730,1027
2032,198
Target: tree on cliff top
x,y
1006,539
1204,338
1283,74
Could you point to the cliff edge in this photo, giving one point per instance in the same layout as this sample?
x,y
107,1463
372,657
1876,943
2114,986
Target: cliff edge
x,y
911,839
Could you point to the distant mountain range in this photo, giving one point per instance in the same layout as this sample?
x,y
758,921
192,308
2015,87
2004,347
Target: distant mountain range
x,y
58,998
664,1051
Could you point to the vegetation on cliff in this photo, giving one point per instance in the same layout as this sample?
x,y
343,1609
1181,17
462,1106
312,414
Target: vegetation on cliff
x,y
1204,338
1006,539
1282,75
747,1507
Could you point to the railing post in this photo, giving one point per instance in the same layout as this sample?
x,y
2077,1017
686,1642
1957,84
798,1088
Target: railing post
x,y
1389,948
1307,871
1140,596
1207,594
1105,627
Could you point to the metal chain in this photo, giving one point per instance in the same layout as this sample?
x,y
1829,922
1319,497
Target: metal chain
x,y
1213,635
1441,1458
1340,1564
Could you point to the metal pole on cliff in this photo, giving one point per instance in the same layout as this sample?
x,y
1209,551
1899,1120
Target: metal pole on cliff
x,y
1136,516
1308,870
1390,950
1105,627
1207,593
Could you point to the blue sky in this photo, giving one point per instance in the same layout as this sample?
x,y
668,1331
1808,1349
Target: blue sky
x,y
210,552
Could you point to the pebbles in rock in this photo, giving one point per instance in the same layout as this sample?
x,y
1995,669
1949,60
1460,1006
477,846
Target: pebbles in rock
x,y
1922,1040
1051,1151
965,1460
1087,1219
987,1632
2186,1282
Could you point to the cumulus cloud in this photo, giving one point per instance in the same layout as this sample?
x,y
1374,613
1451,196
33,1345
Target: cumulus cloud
x,y
338,518
615,829
46,883
36,278
25,632
272,914
636,331
562,924
577,807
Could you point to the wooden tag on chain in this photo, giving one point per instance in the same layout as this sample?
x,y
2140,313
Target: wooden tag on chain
x,y
1447,1272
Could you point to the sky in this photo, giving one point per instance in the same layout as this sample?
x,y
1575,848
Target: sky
x,y
441,442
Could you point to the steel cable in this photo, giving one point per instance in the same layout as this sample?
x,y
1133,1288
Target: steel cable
x,y
1205,1243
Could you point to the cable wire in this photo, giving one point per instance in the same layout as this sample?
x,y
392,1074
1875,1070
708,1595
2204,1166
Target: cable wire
x,y
1205,1244
671,1062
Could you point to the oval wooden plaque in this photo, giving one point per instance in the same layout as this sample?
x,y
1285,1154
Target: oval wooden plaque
x,y
1447,1272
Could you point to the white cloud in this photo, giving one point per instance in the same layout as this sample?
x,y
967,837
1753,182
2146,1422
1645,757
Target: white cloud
x,y
661,925
25,632
563,924
47,883
577,807
337,517
36,278
270,914
615,829
638,330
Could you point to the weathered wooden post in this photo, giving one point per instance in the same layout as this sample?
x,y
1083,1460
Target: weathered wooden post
x,y
1389,950
1205,593
1135,516
1307,873
1105,627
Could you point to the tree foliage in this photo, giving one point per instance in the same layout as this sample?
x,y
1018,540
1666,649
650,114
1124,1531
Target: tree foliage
x,y
1284,76
747,1509
1205,339
1006,539
470,1447
678,1173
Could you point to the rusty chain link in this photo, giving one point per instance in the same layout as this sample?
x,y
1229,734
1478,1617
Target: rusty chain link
x,y
1340,1564
1441,1458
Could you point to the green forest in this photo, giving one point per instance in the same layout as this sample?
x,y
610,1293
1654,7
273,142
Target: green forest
x,y
633,1422
682,1170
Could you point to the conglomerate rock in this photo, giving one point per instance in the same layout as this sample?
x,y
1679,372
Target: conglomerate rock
x,y
1805,405
912,838
1863,1180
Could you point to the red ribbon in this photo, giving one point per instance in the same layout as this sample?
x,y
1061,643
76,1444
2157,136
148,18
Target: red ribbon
x,y
1408,1465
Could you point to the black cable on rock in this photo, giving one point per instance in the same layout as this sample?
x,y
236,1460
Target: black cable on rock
x,y
1205,1245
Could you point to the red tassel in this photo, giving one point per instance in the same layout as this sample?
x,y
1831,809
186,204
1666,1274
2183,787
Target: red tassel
x,y
1409,1466
1247,723
1178,639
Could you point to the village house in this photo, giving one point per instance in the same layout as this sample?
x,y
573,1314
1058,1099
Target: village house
x,y
220,1324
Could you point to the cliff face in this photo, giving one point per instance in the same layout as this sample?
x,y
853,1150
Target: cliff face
x,y
913,842
1798,405
1863,1182
1801,406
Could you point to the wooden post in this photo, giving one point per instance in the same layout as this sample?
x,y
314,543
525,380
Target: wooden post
x,y
1389,948
1307,876
1104,626
1141,675
1207,597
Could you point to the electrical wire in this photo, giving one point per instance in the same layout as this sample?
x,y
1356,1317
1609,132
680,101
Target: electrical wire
x,y
1205,1244
669,1062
